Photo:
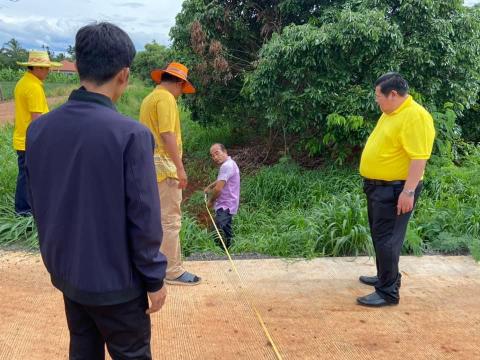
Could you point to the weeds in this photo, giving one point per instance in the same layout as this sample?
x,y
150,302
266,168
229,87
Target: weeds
x,y
131,99
8,163
15,229
289,211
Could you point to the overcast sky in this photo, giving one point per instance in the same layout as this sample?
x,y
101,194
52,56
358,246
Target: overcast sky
x,y
54,23
35,22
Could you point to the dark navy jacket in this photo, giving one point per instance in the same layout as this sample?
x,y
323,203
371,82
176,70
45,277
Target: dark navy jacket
x,y
95,201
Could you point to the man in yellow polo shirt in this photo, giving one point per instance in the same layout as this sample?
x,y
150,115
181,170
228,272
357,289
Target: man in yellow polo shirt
x,y
160,114
30,103
392,165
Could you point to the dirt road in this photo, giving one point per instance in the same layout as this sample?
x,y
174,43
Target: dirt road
x,y
7,108
309,307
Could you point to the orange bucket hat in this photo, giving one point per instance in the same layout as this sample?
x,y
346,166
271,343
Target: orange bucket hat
x,y
175,69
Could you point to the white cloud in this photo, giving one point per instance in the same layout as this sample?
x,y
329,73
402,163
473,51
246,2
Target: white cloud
x,y
55,24
133,5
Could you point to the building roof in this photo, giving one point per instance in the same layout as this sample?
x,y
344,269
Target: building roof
x,y
67,66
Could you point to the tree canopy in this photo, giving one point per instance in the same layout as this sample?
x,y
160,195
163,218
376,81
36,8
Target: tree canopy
x,y
154,56
308,67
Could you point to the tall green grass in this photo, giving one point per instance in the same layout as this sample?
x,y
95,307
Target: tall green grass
x,y
289,211
13,229
8,163
196,239
55,89
21,230
51,89
130,101
198,138
448,217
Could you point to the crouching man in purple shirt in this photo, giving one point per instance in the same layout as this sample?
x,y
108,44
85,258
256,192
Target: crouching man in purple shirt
x,y
224,193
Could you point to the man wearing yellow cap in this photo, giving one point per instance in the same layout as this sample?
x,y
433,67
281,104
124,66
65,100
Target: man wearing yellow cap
x,y
159,112
30,103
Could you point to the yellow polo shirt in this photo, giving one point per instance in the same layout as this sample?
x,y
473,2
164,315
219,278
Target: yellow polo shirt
x,y
399,137
29,98
159,112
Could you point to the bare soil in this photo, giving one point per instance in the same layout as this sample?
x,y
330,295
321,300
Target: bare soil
x,y
308,306
7,108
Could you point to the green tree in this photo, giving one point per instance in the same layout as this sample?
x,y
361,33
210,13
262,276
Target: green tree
x,y
71,52
220,40
11,52
316,79
155,56
59,57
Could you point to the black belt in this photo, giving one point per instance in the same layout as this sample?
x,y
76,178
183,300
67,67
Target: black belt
x,y
383,182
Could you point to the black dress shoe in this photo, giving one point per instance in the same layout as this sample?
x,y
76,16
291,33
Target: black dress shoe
x,y
368,280
374,300
372,280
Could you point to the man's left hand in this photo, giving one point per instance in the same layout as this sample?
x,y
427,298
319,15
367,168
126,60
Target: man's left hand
x,y
405,204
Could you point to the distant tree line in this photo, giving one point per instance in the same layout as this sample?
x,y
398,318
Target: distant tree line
x,y
12,51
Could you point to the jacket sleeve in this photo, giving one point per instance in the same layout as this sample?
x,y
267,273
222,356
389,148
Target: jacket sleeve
x,y
143,210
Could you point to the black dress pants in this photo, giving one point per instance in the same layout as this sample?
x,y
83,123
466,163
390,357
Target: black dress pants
x,y
22,205
223,219
388,234
124,328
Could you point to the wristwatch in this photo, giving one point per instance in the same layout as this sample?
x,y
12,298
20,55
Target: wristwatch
x,y
410,193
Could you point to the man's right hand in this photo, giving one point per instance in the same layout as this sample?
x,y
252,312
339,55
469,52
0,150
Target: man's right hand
x,y
157,299
182,179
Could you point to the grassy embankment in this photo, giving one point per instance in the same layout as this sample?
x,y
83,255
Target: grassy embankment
x,y
289,211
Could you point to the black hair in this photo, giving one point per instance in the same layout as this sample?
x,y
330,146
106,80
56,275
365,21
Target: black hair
x,y
101,51
392,81
30,68
170,78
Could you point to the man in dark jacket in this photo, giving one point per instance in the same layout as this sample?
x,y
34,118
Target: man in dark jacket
x,y
95,201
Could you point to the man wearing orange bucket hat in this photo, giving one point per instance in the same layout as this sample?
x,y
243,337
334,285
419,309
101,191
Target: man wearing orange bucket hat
x,y
30,103
159,112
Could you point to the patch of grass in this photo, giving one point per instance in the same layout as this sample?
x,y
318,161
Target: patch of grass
x,y
286,184
15,229
8,163
54,89
51,89
130,101
323,230
198,138
196,239
286,210
6,90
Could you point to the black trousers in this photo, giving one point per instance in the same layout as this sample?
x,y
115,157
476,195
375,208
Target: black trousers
x,y
388,234
124,328
223,219
22,205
